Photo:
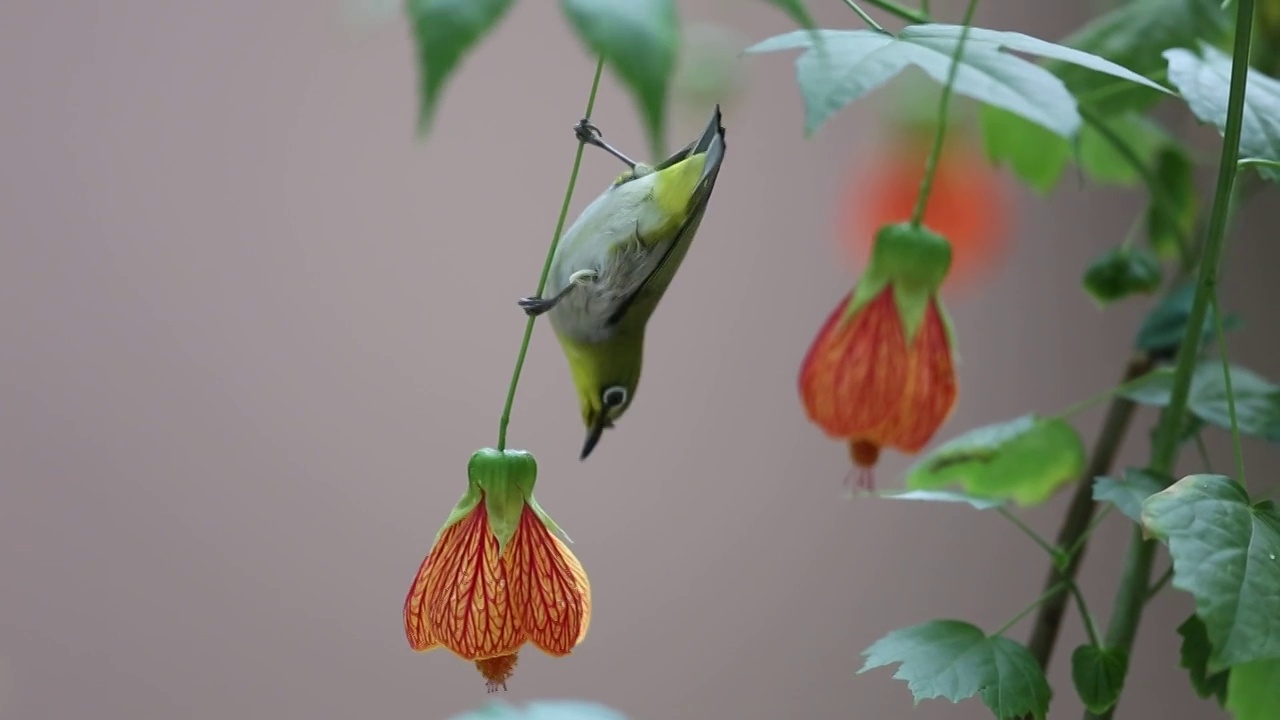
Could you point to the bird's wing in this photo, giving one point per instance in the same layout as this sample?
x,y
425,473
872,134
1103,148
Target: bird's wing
x,y
641,302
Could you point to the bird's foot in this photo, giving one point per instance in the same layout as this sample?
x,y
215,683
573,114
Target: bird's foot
x,y
583,277
586,132
534,306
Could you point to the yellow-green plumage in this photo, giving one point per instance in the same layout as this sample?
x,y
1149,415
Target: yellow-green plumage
x,y
613,265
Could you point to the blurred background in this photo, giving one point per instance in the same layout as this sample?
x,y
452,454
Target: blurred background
x,y
252,329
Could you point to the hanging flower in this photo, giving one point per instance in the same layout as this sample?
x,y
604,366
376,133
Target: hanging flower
x,y
498,575
969,203
880,372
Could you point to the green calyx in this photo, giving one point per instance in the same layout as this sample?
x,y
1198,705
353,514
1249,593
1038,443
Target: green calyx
x,y
504,480
914,261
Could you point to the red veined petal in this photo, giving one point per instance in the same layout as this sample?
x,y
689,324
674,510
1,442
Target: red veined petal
x,y
467,600
854,374
548,586
931,391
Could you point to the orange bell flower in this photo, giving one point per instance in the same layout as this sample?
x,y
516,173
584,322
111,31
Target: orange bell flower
x,y
498,576
880,371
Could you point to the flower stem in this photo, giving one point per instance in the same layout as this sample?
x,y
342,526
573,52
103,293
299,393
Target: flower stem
x,y
1134,585
900,11
931,165
546,266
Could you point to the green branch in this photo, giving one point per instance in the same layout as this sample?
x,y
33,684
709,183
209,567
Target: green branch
x,y
546,266
1134,586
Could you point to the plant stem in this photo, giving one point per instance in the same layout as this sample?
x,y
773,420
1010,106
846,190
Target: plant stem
x,y
1231,396
900,11
1044,597
546,266
1026,530
931,165
1160,583
1204,453
865,17
1090,629
1077,522
1133,592
1162,202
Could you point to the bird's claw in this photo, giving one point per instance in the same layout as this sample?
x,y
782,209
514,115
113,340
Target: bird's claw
x,y
586,132
534,306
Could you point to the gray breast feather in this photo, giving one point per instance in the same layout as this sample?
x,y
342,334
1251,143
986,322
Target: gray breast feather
x,y
584,313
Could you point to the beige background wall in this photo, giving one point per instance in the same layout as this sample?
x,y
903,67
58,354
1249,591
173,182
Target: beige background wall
x,y
251,331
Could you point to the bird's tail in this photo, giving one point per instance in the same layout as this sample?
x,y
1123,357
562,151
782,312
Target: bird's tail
x,y
712,143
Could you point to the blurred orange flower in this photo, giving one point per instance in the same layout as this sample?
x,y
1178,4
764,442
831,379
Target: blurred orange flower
x,y
497,576
969,203
880,371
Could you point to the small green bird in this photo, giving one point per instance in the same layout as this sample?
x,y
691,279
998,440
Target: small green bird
x,y
614,264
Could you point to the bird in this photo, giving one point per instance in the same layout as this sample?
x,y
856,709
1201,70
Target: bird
x,y
614,264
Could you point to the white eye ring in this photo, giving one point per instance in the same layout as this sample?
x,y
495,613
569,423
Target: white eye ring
x,y
615,396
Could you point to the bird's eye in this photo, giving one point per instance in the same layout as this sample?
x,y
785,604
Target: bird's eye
x,y
615,396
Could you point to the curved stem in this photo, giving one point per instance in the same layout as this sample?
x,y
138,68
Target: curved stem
x,y
931,166
546,266
1133,593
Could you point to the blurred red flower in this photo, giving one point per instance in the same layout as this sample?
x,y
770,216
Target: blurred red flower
x,y
969,204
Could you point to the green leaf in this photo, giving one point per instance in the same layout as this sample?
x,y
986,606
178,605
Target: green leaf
x,y
943,496
1121,272
1127,494
1025,460
1226,553
543,710
1035,155
443,32
1153,389
1257,400
639,40
956,660
795,10
1098,674
1253,691
1038,157
1195,658
1204,81
1134,35
1168,226
859,61
1162,329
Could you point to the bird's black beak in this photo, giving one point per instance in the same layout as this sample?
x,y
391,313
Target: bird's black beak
x,y
593,433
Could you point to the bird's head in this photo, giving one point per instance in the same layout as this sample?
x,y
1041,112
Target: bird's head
x,y
606,376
